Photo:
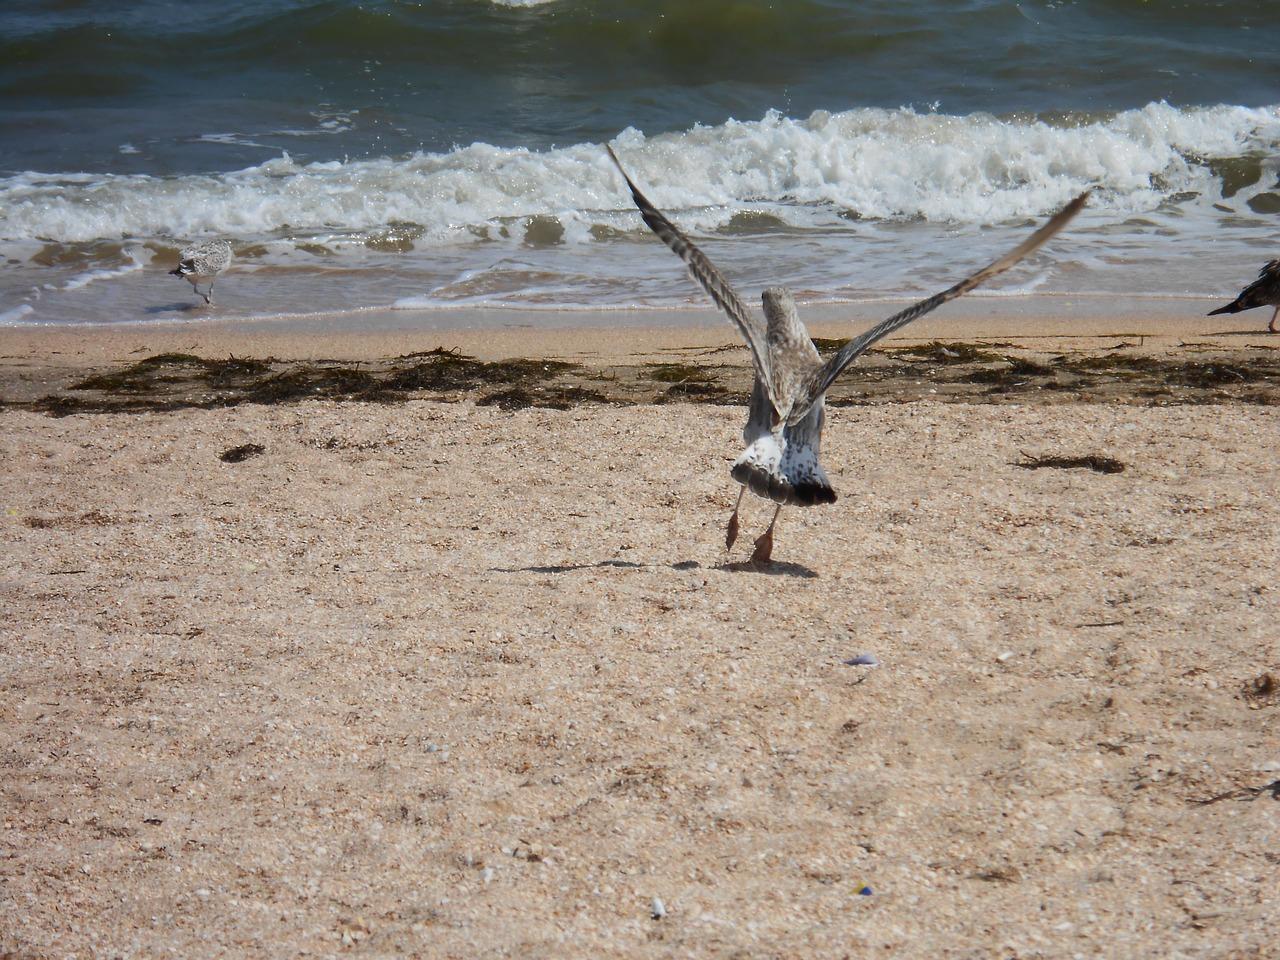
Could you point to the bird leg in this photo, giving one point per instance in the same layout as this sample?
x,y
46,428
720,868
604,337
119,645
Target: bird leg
x,y
764,545
731,532
1271,327
208,297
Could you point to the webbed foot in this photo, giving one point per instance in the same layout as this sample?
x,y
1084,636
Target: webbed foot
x,y
764,547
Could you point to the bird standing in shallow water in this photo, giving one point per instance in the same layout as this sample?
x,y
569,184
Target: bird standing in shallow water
x,y
203,262
1263,292
785,416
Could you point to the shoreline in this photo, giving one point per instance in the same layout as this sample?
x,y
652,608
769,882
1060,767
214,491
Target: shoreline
x,y
972,316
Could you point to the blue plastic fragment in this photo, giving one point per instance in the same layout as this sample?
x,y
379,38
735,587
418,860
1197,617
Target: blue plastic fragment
x,y
864,892
863,660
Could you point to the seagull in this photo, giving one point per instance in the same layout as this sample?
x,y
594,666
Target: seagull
x,y
785,415
203,261
1263,292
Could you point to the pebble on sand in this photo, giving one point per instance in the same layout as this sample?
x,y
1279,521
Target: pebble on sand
x,y
863,660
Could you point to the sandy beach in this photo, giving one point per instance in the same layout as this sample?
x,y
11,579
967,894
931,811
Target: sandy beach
x,y
448,659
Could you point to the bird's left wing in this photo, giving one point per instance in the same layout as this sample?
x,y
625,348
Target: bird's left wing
x,y
827,373
703,271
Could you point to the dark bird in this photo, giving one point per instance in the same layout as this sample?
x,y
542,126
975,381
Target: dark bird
x,y
1263,292
785,416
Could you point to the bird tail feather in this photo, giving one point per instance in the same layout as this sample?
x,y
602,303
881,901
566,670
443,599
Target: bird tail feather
x,y
795,479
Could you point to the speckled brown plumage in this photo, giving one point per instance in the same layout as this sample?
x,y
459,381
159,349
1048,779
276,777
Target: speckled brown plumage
x,y
203,262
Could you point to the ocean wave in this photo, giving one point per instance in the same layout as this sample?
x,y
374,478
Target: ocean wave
x,y
135,259
824,170
17,315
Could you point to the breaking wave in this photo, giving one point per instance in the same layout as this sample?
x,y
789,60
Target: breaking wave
x,y
868,164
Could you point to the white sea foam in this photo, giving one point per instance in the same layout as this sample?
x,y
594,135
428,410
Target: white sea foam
x,y
857,206
227,140
879,164
16,315
327,122
137,260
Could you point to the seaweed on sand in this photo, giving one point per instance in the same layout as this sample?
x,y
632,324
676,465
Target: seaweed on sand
x,y
241,453
169,368
680,373
1090,462
696,390
1119,363
829,345
308,381
1017,370
948,353
519,398
442,369
143,375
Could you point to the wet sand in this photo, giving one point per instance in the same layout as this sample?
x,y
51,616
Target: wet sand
x,y
429,675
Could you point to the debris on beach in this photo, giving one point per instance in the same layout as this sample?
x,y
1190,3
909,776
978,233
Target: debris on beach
x,y
1261,691
863,660
1091,462
977,372
241,453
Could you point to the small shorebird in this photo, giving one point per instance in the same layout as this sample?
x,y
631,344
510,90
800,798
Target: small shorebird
x,y
203,261
1263,292
785,416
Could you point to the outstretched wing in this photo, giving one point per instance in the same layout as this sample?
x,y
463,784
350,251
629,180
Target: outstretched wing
x,y
827,374
702,270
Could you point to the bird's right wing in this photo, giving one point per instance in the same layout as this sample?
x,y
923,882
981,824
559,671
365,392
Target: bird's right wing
x,y
1270,272
1262,292
827,373
703,271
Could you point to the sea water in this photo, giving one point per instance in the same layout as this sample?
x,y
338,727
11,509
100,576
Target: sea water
x,y
426,155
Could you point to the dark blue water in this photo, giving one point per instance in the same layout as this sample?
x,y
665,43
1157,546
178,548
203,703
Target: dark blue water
x,y
79,78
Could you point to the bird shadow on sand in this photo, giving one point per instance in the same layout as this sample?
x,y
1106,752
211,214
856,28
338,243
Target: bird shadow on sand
x,y
620,564
771,568
182,306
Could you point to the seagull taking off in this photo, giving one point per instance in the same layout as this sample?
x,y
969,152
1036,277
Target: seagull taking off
x,y
785,416
203,261
1263,292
